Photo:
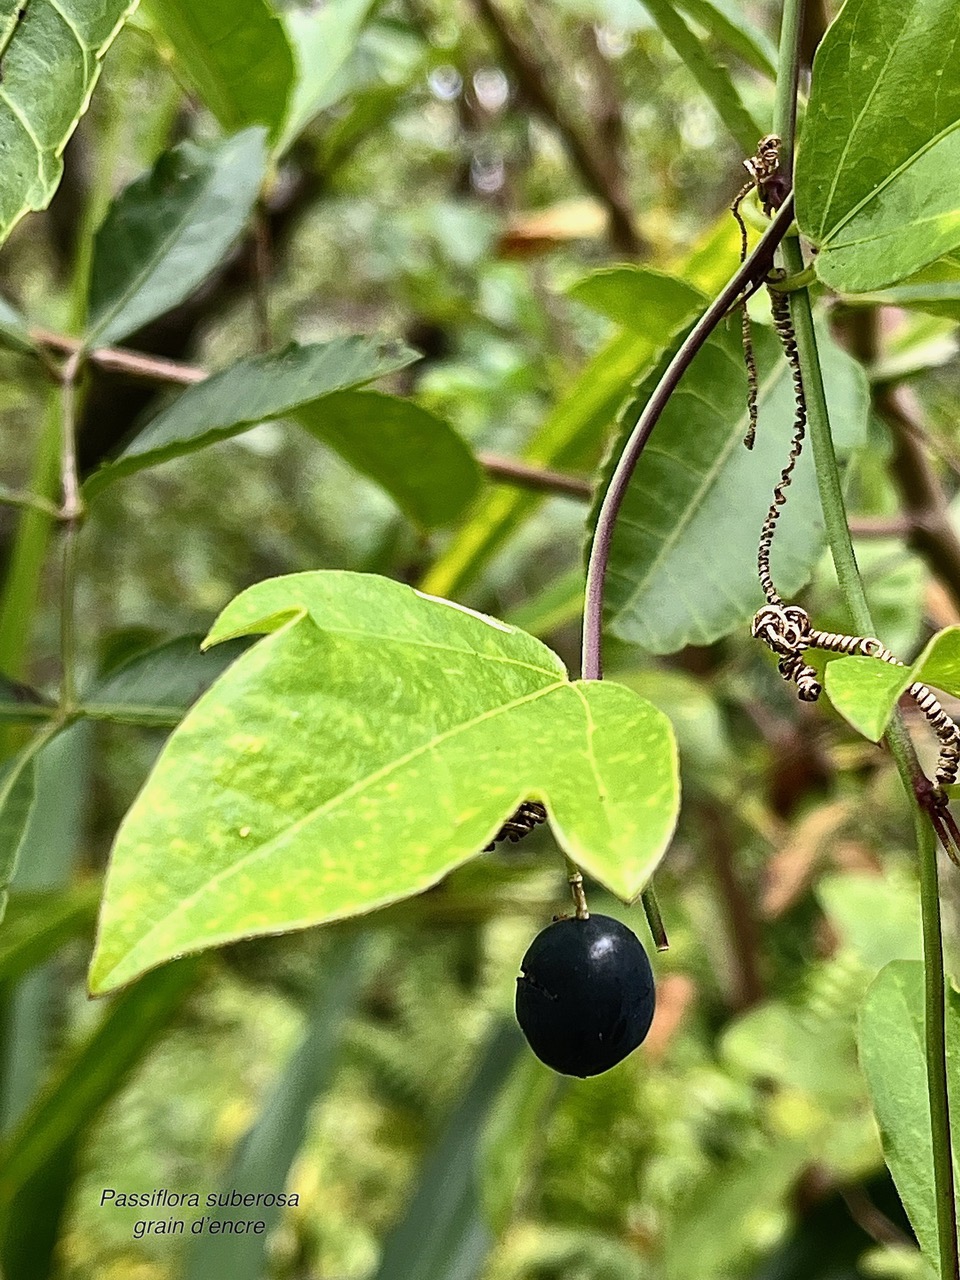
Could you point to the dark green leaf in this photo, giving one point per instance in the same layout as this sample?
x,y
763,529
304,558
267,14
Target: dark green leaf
x,y
38,924
443,1235
51,62
713,78
167,231
29,1236
157,687
233,53
683,561
265,1154
247,392
878,164
375,740
322,41
47,856
893,1057
415,456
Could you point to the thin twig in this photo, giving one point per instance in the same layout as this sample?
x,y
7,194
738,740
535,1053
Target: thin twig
x,y
881,526
137,364
751,273
122,360
590,159
526,475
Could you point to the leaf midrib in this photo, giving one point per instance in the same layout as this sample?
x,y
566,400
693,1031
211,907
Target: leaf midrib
x,y
209,178
853,129
300,611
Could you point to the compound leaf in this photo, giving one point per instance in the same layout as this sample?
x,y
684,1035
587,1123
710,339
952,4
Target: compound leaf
x,y
247,392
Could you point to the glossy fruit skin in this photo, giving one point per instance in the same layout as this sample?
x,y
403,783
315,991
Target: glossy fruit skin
x,y
585,997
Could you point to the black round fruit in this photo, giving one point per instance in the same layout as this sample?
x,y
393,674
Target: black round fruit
x,y
585,997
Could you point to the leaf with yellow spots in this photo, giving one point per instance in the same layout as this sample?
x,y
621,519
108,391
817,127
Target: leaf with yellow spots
x,y
375,739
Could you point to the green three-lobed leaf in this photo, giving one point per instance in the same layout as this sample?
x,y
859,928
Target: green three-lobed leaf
x,y
371,742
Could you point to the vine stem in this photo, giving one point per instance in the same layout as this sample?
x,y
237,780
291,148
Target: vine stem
x,y
915,783
744,281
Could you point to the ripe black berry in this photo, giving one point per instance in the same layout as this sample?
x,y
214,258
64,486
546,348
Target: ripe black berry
x,y
585,997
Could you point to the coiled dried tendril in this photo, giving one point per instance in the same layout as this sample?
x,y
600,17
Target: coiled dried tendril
x,y
786,629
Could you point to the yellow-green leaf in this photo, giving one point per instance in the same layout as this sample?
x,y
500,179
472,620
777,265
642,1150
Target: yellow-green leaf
x,y
373,741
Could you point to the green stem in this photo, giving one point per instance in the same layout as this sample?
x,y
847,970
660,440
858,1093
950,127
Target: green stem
x,y
936,1048
788,78
73,514
901,748
914,781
